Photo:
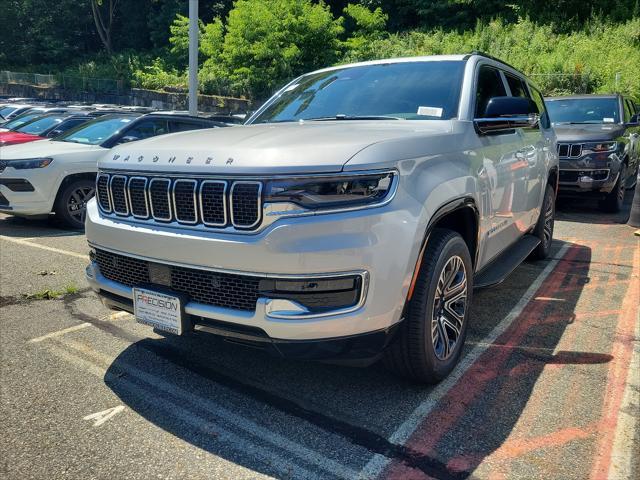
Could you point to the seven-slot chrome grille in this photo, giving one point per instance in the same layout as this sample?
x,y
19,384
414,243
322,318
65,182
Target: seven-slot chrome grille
x,y
187,201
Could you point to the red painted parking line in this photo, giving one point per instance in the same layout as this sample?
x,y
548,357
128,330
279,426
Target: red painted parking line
x,y
493,371
618,370
487,368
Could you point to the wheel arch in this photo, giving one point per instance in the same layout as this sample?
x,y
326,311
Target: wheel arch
x,y
460,215
71,178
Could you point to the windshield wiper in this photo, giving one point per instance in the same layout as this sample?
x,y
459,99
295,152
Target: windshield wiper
x,y
341,116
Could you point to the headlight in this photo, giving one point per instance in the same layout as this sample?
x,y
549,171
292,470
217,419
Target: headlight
x,y
329,192
26,164
600,146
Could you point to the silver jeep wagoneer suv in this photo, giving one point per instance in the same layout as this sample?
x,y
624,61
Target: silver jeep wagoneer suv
x,y
349,220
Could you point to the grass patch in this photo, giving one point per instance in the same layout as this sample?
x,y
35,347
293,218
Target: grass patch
x,y
51,294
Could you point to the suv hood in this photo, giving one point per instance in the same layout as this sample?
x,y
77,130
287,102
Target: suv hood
x,y
44,148
588,132
300,147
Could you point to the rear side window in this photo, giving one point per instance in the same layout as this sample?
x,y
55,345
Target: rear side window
x,y
628,111
489,85
148,128
517,86
176,126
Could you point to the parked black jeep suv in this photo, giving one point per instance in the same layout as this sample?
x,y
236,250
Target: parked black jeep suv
x,y
598,145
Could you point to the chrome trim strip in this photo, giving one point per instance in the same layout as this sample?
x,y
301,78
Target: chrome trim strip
x,y
153,214
144,192
224,203
107,176
195,200
124,193
258,206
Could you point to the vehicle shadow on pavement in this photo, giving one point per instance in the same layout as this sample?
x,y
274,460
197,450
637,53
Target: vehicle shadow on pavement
x,y
20,227
246,406
587,210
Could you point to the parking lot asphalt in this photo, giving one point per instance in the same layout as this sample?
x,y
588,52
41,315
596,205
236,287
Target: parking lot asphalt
x,y
548,386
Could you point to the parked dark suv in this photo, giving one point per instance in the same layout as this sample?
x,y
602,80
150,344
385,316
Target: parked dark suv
x,y
598,145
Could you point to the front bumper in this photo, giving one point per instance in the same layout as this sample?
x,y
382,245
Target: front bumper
x,y
381,242
591,174
27,192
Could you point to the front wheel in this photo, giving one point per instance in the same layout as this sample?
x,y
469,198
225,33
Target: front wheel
x,y
614,200
429,342
71,205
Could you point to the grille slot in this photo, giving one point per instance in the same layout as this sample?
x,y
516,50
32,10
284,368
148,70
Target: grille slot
x,y
245,204
213,203
118,194
568,150
138,197
184,201
102,192
160,199
239,292
576,150
563,150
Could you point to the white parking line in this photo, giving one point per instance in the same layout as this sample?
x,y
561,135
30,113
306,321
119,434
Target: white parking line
x,y
378,462
27,243
59,333
624,447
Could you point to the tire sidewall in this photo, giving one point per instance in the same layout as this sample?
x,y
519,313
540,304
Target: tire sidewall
x,y
63,201
455,246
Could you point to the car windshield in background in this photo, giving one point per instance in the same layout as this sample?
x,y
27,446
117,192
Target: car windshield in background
x,y
7,110
96,132
426,90
21,120
583,110
36,127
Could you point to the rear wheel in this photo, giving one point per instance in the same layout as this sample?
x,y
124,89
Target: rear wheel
x,y
613,200
71,205
544,227
429,342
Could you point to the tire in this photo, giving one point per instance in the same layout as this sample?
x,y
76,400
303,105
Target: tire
x,y
71,205
633,179
614,200
419,351
544,228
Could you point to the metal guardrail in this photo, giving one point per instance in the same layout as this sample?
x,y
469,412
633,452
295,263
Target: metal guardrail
x,y
67,82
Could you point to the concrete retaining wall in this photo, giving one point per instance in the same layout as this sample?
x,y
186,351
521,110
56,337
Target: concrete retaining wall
x,y
135,96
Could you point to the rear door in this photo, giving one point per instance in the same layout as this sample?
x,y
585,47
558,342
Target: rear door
x,y
497,155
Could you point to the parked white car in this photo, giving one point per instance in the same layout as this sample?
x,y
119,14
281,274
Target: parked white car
x,y
59,175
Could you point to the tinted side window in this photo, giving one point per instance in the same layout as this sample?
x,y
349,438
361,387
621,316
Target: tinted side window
x,y
628,111
176,126
545,121
489,85
148,128
517,86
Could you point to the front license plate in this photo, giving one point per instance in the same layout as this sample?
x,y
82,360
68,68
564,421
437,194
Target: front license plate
x,y
159,310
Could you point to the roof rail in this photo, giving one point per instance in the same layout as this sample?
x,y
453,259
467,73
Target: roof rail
x,y
486,55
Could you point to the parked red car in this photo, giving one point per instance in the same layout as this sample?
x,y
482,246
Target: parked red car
x,y
43,127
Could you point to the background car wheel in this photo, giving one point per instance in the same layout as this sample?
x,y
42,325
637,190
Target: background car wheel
x,y
544,227
429,342
613,201
71,205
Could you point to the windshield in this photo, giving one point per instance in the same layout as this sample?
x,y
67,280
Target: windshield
x,y
427,90
21,120
7,110
584,110
96,132
36,127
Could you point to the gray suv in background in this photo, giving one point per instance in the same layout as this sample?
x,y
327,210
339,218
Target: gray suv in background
x,y
350,219
598,146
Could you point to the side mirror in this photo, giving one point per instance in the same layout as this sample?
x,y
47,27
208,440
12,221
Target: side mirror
x,y
507,113
127,139
634,121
